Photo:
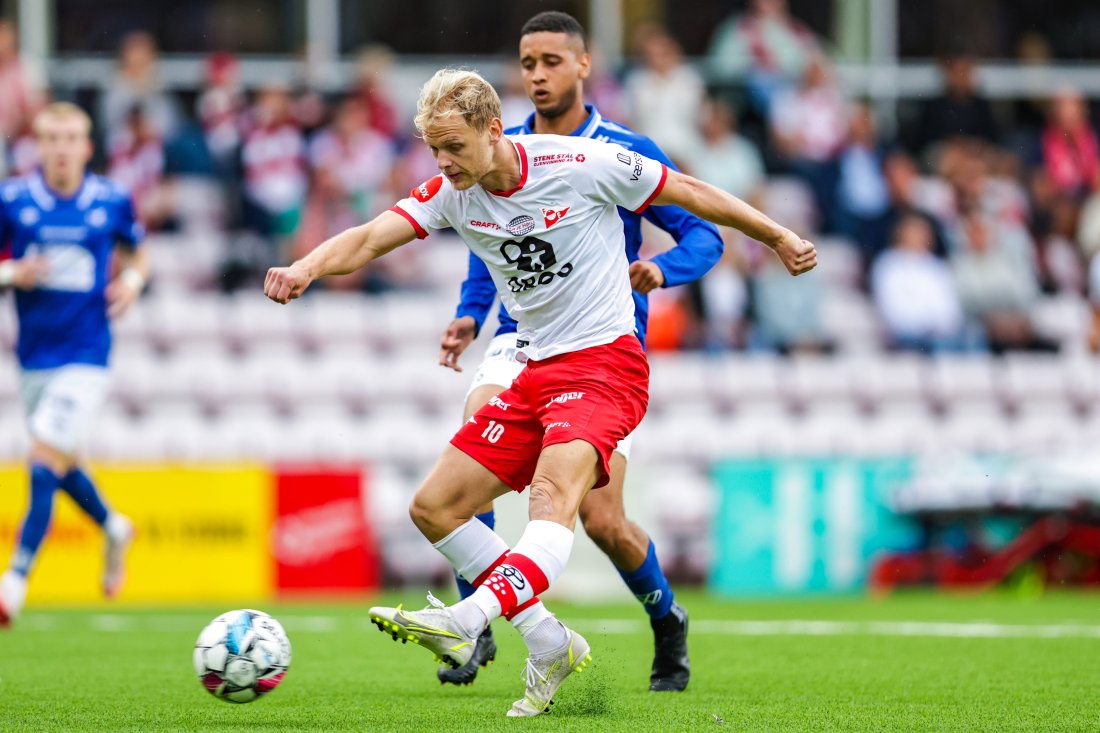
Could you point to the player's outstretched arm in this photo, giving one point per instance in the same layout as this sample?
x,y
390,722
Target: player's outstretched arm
x,y
715,205
348,251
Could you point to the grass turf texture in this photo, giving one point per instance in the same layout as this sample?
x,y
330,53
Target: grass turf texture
x,y
105,669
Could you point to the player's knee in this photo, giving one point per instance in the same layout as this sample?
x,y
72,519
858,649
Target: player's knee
x,y
423,513
550,500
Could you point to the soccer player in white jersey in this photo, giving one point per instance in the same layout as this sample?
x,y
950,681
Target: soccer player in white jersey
x,y
554,63
64,227
585,385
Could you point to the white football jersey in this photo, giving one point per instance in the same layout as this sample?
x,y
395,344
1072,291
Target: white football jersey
x,y
553,244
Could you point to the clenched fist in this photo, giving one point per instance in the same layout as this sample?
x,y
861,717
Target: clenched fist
x,y
284,284
645,276
797,255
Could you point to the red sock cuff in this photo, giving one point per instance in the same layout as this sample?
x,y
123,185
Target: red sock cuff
x,y
521,607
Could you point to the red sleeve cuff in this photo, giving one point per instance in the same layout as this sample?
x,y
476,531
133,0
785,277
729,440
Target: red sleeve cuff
x,y
656,191
421,232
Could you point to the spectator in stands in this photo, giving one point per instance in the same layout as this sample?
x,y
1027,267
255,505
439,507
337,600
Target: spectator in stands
x,y
1094,297
351,164
1088,227
20,92
1070,152
914,291
135,158
996,277
862,196
602,87
809,126
273,158
373,69
664,93
958,112
903,183
786,316
720,300
766,47
220,108
722,157
137,83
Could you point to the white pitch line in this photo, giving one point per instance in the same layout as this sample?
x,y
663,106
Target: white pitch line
x,y
116,623
802,627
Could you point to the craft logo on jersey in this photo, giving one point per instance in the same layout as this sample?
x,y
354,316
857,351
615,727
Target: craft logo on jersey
x,y
623,158
555,158
424,192
484,224
521,225
495,401
552,216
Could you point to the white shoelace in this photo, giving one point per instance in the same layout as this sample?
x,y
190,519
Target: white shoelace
x,y
531,675
435,602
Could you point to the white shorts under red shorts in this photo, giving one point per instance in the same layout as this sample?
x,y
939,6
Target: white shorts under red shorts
x,y
598,395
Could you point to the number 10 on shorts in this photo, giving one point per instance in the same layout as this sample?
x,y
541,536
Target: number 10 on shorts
x,y
493,432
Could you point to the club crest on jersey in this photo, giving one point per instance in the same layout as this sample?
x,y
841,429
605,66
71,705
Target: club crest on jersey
x,y
424,192
552,216
521,225
96,218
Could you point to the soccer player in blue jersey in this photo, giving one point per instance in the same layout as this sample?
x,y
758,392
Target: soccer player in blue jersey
x,y
555,63
67,232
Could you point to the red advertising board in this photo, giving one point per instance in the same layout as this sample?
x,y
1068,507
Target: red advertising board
x,y
321,540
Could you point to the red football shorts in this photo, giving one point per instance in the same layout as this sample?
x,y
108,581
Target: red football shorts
x,y
598,395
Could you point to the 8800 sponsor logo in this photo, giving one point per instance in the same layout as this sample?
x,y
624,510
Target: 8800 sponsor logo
x,y
536,256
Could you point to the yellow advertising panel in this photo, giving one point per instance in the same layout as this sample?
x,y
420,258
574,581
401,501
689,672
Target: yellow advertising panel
x,y
202,534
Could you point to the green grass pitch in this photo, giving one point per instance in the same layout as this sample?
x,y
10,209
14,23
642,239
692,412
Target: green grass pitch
x,y
988,663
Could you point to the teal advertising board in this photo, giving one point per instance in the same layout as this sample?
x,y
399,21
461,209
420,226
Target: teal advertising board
x,y
805,526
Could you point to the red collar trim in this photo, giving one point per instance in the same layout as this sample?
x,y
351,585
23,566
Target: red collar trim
x,y
522,171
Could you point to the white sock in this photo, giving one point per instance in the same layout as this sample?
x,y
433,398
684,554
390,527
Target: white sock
x,y
537,560
470,616
546,637
117,527
472,549
541,637
548,545
530,617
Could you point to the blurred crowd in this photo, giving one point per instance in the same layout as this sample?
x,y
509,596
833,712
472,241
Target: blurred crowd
x,y
956,220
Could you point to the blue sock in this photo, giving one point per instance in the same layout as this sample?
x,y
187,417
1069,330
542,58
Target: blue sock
x,y
43,484
650,586
465,590
78,485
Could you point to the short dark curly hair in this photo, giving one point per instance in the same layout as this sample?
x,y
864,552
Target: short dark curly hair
x,y
555,21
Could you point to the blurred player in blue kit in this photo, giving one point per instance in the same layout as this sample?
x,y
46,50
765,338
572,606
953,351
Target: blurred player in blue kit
x,y
68,232
555,63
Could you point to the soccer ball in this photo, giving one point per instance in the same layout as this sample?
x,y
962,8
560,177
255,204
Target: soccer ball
x,y
242,655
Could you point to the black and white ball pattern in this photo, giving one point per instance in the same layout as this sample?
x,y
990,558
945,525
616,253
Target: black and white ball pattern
x,y
242,655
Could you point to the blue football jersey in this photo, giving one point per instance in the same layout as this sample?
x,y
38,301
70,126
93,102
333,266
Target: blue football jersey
x,y
64,320
698,244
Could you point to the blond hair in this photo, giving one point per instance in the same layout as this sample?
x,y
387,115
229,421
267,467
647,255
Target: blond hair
x,y
62,111
457,91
